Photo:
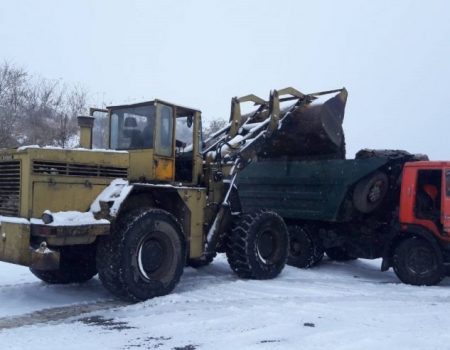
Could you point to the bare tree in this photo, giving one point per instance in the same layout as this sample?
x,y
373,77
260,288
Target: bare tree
x,y
13,92
37,110
213,126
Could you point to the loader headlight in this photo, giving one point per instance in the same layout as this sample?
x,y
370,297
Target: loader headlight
x,y
47,218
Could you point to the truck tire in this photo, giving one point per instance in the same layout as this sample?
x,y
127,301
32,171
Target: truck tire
x,y
370,192
144,256
77,265
305,248
258,245
417,262
339,254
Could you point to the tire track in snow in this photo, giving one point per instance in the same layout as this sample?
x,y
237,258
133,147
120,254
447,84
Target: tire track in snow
x,y
17,285
57,314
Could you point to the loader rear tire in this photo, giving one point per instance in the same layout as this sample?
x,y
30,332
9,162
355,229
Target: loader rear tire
x,y
144,256
258,245
305,248
339,254
77,265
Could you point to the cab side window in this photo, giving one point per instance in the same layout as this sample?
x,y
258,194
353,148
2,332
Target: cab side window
x,y
428,194
164,139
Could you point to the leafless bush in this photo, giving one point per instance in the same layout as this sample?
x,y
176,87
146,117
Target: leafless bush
x,y
213,126
37,111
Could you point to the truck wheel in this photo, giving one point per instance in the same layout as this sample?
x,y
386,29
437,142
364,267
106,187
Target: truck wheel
x,y
418,263
258,245
305,248
370,192
144,256
339,254
77,265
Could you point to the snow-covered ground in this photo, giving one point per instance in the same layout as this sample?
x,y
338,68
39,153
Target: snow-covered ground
x,y
334,306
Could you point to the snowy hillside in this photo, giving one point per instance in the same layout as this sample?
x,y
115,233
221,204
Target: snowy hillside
x,y
334,306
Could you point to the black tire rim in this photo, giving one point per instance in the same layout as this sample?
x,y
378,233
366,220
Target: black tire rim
x,y
266,245
153,256
420,261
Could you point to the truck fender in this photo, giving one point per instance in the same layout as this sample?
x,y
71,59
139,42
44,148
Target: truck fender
x,y
109,202
412,231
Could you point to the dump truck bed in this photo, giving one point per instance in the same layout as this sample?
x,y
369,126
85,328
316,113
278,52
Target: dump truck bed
x,y
303,190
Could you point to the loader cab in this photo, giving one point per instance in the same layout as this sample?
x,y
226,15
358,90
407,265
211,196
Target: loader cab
x,y
162,139
425,196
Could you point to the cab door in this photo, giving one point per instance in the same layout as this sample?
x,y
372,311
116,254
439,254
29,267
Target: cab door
x,y
446,201
164,158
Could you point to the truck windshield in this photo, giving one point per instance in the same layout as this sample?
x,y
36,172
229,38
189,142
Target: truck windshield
x,y
448,183
133,127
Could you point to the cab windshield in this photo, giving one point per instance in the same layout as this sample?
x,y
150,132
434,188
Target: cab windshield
x,y
133,127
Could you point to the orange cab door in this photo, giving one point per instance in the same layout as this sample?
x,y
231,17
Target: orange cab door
x,y
446,201
408,195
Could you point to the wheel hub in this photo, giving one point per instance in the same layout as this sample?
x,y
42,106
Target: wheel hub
x,y
266,245
421,261
375,192
295,247
150,256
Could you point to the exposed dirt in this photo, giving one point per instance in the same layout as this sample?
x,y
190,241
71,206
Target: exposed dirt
x,y
57,314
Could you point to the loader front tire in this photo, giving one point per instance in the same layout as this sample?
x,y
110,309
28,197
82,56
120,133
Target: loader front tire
x,y
77,265
258,245
144,256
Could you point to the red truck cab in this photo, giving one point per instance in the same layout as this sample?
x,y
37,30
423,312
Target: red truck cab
x,y
429,182
420,251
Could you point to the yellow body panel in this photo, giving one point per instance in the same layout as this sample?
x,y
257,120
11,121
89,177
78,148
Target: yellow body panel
x,y
62,195
82,156
15,243
195,200
141,164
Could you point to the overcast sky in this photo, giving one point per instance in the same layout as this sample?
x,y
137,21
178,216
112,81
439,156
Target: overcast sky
x,y
392,56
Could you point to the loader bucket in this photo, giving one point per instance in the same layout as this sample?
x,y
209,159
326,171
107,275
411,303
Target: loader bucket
x,y
311,131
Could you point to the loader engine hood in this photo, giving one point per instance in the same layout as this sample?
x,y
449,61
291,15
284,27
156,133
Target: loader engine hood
x,y
34,179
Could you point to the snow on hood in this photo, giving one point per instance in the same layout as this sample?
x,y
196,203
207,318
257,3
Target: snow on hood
x,y
13,220
23,148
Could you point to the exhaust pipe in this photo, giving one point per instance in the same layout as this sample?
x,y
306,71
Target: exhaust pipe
x,y
86,124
